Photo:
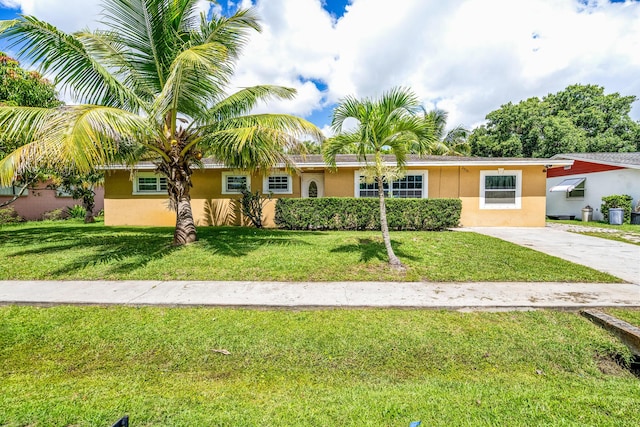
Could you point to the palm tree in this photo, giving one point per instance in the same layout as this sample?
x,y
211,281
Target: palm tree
x,y
451,143
153,87
388,124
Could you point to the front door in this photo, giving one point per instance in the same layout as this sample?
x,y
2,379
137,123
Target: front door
x,y
312,185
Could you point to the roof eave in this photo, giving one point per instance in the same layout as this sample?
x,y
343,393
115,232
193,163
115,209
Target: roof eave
x,y
358,164
601,162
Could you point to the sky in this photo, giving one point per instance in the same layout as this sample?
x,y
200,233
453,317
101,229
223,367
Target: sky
x,y
467,57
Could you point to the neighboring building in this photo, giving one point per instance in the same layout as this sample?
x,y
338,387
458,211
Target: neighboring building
x,y
591,177
494,191
35,202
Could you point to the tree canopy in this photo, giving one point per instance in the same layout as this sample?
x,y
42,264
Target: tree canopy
x,y
25,88
581,118
153,83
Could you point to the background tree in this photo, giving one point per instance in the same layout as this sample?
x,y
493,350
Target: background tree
x,y
80,187
447,143
389,123
581,118
153,83
19,87
306,147
27,88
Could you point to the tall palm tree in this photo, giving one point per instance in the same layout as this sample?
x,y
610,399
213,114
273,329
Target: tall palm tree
x,y
153,87
388,124
447,143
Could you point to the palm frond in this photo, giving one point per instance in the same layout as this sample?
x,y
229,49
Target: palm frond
x,y
295,126
84,136
346,142
196,75
107,48
256,141
251,148
143,26
348,108
64,55
232,32
243,101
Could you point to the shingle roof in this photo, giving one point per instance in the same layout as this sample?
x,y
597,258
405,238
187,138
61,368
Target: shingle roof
x,y
629,160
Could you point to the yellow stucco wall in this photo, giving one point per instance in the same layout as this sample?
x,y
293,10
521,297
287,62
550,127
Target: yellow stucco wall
x,y
211,207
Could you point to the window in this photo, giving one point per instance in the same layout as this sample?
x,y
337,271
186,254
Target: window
x,y
412,185
409,186
278,184
232,183
150,183
572,187
371,189
12,190
577,192
313,190
500,189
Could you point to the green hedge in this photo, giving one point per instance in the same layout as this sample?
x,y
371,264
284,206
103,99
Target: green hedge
x,y
349,213
617,201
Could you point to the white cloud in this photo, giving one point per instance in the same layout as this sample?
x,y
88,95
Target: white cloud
x,y
68,15
465,56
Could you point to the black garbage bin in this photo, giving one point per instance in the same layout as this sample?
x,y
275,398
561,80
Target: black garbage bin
x,y
635,218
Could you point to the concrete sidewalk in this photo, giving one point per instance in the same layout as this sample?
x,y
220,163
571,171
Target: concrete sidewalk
x,y
476,296
619,259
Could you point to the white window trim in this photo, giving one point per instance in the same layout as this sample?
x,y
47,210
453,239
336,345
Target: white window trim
x,y
265,184
425,181
224,181
136,191
501,172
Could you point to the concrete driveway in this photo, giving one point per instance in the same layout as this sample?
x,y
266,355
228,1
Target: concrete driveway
x,y
616,258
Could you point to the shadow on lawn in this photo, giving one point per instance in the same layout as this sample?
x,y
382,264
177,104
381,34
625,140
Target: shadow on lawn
x,y
240,241
126,249
373,249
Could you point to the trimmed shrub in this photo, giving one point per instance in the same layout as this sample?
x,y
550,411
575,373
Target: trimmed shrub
x,y
9,216
617,201
350,213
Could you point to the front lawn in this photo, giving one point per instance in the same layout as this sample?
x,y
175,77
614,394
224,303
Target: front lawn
x,y
71,250
89,366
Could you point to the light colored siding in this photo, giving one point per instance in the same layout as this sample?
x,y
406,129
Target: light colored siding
x,y
42,199
597,186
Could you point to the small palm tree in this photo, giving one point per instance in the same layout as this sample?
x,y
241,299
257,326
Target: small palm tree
x,y
388,124
153,84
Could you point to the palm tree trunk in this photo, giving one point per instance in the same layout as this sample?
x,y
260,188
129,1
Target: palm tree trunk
x,y
394,261
88,201
178,176
185,231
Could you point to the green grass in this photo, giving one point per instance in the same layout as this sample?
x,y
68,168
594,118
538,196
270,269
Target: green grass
x,y
629,316
88,366
72,250
627,233
632,228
